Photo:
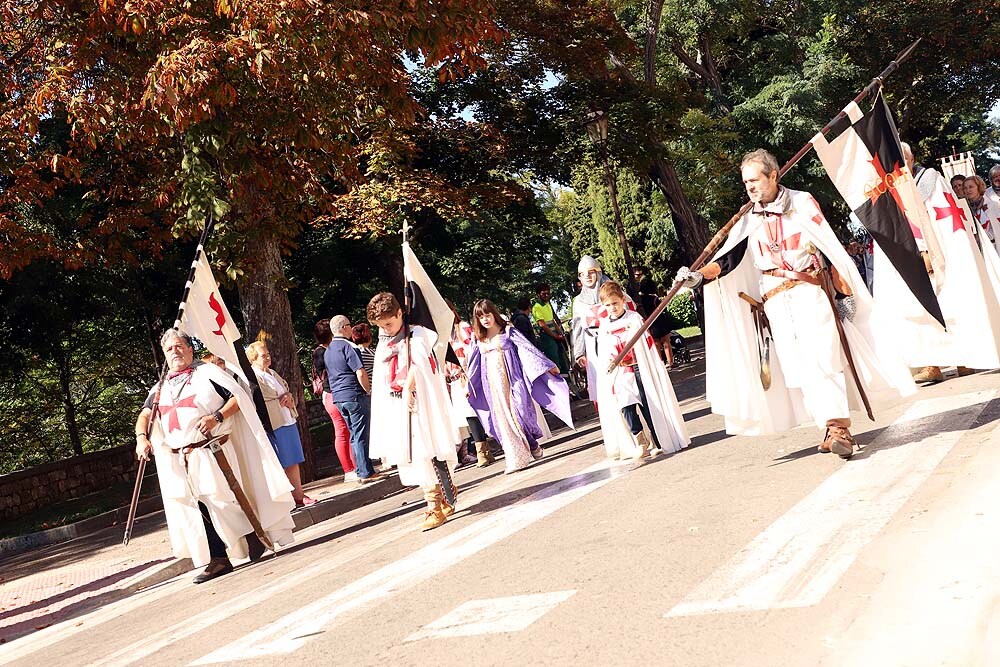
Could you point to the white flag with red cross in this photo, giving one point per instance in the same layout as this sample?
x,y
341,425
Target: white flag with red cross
x,y
204,315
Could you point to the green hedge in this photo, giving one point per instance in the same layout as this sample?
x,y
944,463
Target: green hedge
x,y
682,311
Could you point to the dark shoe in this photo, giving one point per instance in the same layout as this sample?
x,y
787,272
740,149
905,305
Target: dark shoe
x,y
255,547
216,568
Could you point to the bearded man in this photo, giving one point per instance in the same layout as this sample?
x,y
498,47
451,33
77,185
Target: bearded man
x,y
197,403
774,357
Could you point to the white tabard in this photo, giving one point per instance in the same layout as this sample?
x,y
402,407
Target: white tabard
x,y
807,365
430,429
665,413
183,401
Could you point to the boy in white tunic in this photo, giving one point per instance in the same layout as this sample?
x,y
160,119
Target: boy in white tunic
x,y
411,424
640,382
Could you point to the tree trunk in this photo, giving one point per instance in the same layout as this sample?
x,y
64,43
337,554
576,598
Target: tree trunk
x,y
69,408
692,232
691,229
264,301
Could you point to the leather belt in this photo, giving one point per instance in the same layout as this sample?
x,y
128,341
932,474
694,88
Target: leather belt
x,y
793,275
783,287
187,449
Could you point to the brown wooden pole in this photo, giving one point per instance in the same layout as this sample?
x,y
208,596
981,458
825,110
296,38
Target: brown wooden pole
x,y
723,232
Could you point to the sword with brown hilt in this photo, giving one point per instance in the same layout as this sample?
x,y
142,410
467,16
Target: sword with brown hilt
x,y
826,284
761,323
720,236
141,471
215,446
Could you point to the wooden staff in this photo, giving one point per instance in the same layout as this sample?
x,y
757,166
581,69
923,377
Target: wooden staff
x,y
721,235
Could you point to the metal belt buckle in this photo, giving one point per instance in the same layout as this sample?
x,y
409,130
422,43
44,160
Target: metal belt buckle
x,y
216,443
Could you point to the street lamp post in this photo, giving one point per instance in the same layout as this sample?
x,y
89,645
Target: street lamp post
x,y
596,123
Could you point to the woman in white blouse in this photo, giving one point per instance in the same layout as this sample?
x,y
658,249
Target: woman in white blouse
x,y
284,419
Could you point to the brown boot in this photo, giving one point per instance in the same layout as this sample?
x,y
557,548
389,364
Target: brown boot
x,y
484,456
434,516
840,441
643,440
929,375
965,370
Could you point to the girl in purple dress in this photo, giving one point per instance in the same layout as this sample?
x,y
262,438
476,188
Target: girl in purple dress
x,y
507,375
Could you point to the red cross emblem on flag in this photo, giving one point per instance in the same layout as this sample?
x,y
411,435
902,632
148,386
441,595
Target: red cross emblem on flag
x,y
220,316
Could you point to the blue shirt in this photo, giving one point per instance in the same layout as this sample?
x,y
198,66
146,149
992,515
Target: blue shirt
x,y
342,363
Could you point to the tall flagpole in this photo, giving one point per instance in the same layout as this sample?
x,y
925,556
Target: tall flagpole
x,y
140,473
406,336
720,236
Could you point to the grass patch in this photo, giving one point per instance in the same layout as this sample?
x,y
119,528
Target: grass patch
x,y
78,509
689,332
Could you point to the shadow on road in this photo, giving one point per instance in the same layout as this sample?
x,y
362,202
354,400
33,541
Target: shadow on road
x,y
906,433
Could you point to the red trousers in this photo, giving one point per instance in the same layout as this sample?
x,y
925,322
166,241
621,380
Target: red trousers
x,y
341,436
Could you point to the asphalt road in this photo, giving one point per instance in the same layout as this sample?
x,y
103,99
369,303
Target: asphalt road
x,y
737,551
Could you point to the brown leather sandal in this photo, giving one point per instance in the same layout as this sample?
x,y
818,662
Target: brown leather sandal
x,y
841,442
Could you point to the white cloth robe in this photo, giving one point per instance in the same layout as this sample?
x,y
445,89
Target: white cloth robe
x,y
431,424
248,451
732,364
622,390
964,291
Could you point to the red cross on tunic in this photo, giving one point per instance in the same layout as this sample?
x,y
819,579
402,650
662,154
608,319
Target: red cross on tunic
x,y
621,337
956,213
791,243
168,413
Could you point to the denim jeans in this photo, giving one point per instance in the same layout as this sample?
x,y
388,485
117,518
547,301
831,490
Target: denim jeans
x,y
357,414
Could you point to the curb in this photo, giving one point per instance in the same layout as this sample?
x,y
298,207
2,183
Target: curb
x,y
11,546
304,518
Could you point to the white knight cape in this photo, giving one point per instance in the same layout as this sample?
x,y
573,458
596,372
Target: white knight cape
x,y
248,451
668,422
733,386
431,426
964,289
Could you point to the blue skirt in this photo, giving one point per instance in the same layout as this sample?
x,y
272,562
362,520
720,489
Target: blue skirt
x,y
287,445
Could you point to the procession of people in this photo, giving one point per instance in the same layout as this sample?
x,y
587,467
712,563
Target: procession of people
x,y
793,334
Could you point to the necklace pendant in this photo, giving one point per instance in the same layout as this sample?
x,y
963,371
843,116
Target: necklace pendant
x,y
775,246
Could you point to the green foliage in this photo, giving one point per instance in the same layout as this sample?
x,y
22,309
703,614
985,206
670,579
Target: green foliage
x,y
682,310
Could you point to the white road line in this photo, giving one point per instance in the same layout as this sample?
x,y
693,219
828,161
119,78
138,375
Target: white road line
x,y
292,631
157,641
494,616
802,555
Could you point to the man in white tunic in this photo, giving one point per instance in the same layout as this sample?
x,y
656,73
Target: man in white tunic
x,y
199,401
774,256
586,306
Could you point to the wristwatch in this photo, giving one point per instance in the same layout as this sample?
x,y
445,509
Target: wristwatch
x,y
218,416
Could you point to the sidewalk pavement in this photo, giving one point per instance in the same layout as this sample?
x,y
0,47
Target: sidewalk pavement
x,y
50,584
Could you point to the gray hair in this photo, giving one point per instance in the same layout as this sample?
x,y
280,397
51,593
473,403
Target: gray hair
x,y
763,158
338,322
171,334
994,170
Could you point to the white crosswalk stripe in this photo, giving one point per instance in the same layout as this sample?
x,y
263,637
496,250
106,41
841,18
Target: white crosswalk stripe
x,y
288,634
495,616
802,555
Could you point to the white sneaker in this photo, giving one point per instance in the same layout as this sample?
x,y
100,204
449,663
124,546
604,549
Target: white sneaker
x,y
350,476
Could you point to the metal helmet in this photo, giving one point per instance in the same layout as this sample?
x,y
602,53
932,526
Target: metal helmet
x,y
587,263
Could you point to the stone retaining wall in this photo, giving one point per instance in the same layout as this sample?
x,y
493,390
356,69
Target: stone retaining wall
x,y
26,490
